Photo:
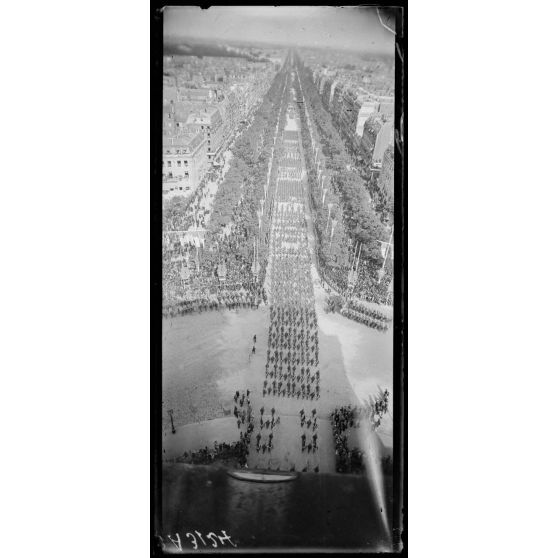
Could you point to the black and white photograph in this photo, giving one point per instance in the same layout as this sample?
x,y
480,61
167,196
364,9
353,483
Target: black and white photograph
x,y
278,279
280,174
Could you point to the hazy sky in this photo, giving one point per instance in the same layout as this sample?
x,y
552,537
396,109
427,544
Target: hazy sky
x,y
352,28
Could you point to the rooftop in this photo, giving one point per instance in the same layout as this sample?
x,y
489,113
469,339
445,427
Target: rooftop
x,y
187,140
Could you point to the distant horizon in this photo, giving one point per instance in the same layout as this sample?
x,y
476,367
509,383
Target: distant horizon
x,y
352,29
171,42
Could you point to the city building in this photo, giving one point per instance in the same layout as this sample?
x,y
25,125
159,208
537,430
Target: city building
x,y
386,105
204,101
383,140
184,161
337,103
202,95
211,124
385,180
363,109
231,110
370,131
328,90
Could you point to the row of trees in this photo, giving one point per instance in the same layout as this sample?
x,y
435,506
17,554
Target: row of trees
x,y
384,185
362,223
223,265
238,200
380,188
333,240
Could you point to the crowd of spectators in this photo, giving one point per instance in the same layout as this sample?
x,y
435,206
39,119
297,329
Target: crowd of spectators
x,y
367,286
181,214
364,315
224,453
225,267
346,460
366,311
361,319
357,311
345,195
350,416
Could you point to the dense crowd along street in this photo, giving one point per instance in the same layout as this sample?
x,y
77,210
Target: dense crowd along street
x,y
345,217
223,265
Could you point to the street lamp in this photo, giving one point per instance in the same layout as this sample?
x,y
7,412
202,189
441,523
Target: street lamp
x,y
170,412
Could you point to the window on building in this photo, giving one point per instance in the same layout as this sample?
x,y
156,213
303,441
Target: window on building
x,y
178,151
187,174
185,163
179,163
169,163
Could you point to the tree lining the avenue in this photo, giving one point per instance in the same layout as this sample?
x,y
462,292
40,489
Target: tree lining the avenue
x,y
384,184
363,222
234,236
237,233
238,198
359,224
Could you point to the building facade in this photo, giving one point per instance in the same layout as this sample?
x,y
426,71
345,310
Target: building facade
x,y
383,140
385,180
370,132
184,161
210,123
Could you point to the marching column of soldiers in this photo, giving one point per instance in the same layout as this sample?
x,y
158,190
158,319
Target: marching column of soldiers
x,y
292,360
292,363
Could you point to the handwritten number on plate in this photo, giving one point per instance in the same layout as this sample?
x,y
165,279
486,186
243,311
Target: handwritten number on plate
x,y
177,542
194,543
